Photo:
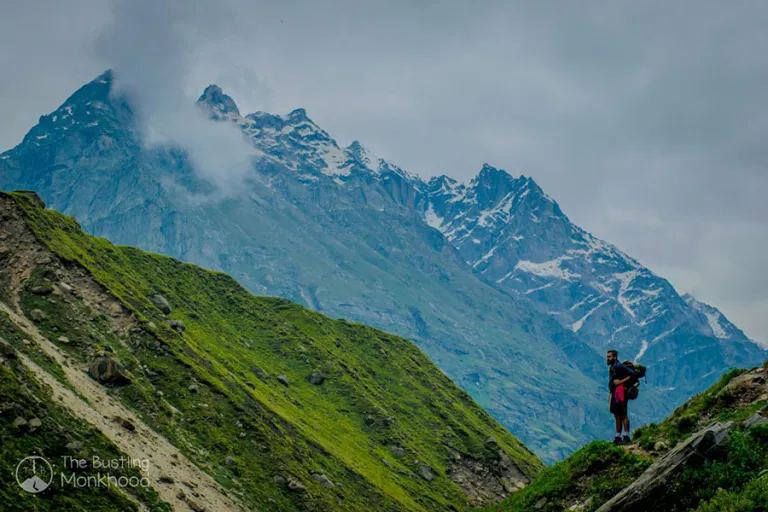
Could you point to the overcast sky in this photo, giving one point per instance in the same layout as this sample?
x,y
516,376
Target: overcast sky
x,y
647,121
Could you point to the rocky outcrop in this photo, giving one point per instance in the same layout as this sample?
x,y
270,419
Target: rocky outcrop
x,y
33,196
108,371
648,490
487,481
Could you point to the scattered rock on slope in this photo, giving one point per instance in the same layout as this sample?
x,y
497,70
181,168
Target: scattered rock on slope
x,y
161,303
398,452
295,485
177,325
126,424
316,378
323,480
108,371
426,473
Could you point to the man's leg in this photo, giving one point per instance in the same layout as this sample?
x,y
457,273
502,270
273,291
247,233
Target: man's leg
x,y
627,437
618,419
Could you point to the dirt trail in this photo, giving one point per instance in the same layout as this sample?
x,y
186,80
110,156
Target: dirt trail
x,y
143,443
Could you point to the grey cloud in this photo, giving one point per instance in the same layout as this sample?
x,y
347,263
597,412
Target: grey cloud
x,y
151,46
645,120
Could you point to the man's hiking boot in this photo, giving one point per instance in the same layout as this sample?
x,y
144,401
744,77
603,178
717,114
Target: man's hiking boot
x,y
626,440
617,440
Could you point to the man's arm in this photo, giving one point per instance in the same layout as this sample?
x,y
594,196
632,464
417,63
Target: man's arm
x,y
623,375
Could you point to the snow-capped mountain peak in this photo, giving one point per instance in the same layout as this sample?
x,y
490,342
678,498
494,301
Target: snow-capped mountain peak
x,y
470,212
720,326
297,142
364,156
516,236
221,105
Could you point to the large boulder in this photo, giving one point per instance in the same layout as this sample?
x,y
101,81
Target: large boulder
x,y
108,371
161,303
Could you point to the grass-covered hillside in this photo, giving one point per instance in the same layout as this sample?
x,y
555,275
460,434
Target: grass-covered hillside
x,y
59,434
283,408
732,476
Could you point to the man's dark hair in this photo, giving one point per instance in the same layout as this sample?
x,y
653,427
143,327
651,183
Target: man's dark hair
x,y
615,354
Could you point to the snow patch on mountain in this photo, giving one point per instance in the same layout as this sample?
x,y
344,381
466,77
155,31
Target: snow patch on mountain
x,y
486,256
717,322
664,334
714,323
538,288
625,279
433,219
643,348
576,326
551,268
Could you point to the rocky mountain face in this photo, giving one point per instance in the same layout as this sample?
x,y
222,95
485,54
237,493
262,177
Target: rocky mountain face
x,y
708,456
490,279
228,401
517,238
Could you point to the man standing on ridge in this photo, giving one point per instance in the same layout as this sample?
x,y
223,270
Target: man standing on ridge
x,y
618,376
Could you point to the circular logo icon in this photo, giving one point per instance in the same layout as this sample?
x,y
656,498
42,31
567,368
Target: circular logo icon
x,y
34,474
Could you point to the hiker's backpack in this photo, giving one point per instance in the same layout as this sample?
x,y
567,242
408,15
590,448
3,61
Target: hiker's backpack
x,y
638,368
633,390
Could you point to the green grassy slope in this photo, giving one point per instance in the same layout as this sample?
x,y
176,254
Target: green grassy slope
x,y
588,478
733,480
715,404
379,392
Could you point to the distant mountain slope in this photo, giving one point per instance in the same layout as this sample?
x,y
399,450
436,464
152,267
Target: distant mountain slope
x,y
326,231
490,279
284,407
518,238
